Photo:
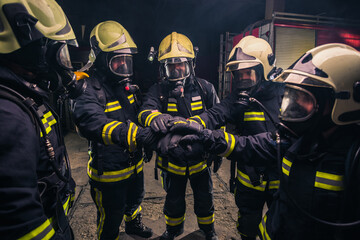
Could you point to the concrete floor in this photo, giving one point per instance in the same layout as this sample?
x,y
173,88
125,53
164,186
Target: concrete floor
x,y
83,214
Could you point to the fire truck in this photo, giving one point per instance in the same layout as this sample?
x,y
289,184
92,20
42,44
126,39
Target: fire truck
x,y
290,36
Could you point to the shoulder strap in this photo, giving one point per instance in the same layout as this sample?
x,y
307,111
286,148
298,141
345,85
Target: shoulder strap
x,y
202,91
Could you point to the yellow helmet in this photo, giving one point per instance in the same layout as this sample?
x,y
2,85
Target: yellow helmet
x,y
110,36
250,52
176,45
335,66
24,21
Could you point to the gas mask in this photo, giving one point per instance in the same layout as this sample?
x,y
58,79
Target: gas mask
x,y
176,73
121,65
305,109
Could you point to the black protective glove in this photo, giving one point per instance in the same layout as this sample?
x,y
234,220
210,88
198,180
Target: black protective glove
x,y
148,139
160,123
214,141
184,126
169,147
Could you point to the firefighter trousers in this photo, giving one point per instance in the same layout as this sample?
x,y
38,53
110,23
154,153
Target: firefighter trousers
x,y
115,201
174,208
250,203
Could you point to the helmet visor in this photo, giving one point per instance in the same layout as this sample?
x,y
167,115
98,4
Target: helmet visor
x,y
245,78
177,71
121,65
297,105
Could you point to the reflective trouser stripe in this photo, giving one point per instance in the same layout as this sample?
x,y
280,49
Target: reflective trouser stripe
x,y
172,167
286,166
262,227
230,140
114,176
206,220
107,131
43,232
197,168
174,221
245,180
128,218
329,181
99,204
274,184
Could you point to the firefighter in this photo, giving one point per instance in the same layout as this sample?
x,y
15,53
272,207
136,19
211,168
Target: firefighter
x,y
180,94
318,148
36,187
106,115
251,63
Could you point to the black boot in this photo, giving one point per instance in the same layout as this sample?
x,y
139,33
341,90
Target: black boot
x,y
211,235
136,227
172,232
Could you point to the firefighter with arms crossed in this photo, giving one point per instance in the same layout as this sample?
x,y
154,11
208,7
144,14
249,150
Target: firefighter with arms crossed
x,y
180,94
106,115
36,186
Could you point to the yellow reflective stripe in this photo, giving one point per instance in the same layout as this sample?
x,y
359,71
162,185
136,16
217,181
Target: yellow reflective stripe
x,y
206,220
197,168
140,115
174,221
107,131
198,117
172,107
230,144
245,180
286,166
150,117
66,205
172,167
131,136
112,106
254,116
131,98
196,106
329,181
262,227
274,184
114,176
99,204
45,231
48,120
128,218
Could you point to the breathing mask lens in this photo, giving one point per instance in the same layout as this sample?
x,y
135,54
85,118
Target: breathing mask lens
x,y
245,78
121,65
177,71
297,105
63,57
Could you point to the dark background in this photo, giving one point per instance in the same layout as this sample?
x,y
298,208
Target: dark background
x,y
202,21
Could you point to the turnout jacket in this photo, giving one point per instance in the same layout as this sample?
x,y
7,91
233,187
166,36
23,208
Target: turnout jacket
x,y
250,121
199,95
101,114
34,201
323,182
